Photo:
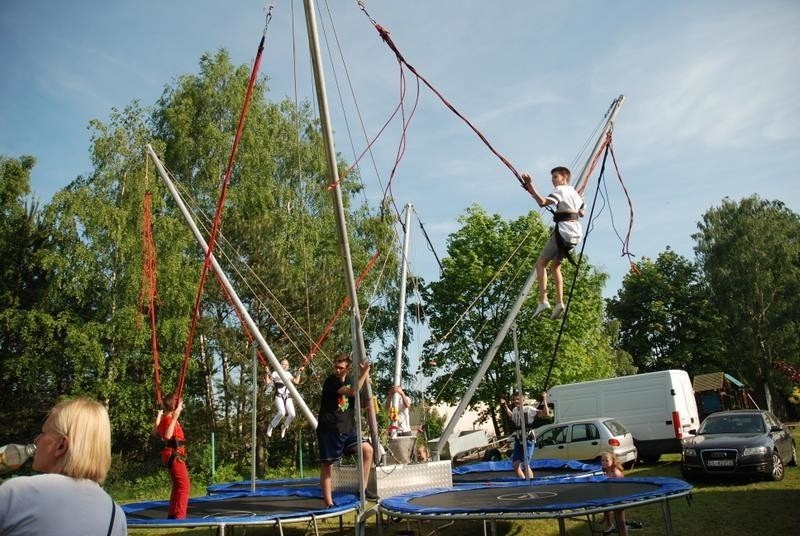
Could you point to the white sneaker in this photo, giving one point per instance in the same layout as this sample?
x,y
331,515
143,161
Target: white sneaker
x,y
543,306
557,311
269,431
283,432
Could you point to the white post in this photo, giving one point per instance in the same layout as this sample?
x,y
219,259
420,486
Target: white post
x,y
462,406
254,432
398,352
248,320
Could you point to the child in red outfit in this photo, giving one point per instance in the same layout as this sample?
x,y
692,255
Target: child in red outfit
x,y
173,455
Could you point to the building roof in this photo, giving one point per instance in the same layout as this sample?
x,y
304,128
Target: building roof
x,y
713,382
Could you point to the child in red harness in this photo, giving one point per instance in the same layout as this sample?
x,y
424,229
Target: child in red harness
x,y
568,208
173,455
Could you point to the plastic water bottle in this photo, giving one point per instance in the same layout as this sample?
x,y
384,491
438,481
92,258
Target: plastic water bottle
x,y
13,456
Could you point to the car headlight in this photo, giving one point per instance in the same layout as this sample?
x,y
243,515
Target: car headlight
x,y
750,451
689,452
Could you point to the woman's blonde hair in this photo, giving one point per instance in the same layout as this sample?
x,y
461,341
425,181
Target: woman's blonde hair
x,y
85,424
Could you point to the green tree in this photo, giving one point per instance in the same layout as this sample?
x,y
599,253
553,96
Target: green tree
x,y
750,254
487,263
665,316
25,329
279,215
74,277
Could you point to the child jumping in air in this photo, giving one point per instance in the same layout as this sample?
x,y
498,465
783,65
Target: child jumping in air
x,y
284,406
566,235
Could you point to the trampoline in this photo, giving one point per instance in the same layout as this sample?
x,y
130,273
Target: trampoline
x,y
556,499
246,485
503,471
275,507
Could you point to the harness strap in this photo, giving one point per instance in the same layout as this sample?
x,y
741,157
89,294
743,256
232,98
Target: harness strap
x,y
565,216
113,515
564,248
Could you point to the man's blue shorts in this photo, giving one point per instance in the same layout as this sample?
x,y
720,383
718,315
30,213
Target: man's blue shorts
x,y
333,445
517,456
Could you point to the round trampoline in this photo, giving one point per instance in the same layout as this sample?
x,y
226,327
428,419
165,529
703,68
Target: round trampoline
x,y
503,471
266,507
246,485
556,499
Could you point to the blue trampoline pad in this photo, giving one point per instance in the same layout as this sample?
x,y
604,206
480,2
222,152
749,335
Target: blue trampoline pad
x,y
245,485
239,508
536,499
503,471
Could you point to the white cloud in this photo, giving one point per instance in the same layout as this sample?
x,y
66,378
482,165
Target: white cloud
x,y
728,83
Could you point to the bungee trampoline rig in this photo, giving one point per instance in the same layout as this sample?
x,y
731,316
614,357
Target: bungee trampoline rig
x,y
549,499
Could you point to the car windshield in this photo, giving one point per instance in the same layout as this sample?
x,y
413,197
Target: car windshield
x,y
733,424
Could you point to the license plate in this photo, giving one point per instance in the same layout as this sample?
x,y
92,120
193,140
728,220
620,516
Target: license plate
x,y
720,463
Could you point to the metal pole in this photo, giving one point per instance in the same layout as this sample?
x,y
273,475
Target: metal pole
x,y
254,433
248,320
300,448
609,124
462,406
359,349
525,457
213,457
512,315
398,352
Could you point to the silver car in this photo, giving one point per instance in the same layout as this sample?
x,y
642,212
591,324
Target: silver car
x,y
585,440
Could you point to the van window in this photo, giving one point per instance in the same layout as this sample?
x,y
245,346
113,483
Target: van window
x,y
615,427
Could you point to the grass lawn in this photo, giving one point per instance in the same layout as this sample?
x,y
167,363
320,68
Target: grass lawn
x,y
718,508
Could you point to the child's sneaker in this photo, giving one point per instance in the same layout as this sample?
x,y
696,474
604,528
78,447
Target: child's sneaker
x,y
558,310
283,432
269,431
543,306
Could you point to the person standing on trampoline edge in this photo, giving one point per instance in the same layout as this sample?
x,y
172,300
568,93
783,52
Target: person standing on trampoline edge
x,y
336,433
532,416
566,235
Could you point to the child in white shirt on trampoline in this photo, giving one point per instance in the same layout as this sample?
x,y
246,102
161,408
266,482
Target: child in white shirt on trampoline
x,y
566,235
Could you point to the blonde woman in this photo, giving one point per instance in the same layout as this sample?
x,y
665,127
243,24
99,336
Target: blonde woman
x,y
74,453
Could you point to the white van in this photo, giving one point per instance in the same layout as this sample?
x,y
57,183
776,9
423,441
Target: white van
x,y
657,407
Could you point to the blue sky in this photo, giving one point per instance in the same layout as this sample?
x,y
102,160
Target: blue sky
x,y
712,95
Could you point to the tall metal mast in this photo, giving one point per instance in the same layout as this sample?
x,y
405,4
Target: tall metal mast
x,y
248,320
523,295
359,350
398,351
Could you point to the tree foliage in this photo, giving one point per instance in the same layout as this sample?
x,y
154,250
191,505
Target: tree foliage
x,y
86,331
750,253
665,316
488,260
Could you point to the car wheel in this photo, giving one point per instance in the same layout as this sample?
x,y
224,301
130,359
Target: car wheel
x,y
686,474
793,461
651,459
777,468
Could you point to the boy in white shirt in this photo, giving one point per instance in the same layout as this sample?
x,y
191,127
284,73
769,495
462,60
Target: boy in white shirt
x,y
566,235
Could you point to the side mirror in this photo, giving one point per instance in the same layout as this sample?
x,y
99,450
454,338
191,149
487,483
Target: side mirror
x,y
693,431
776,429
